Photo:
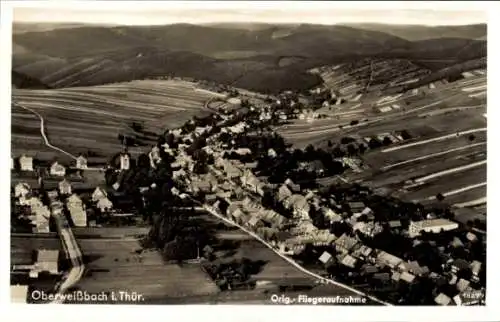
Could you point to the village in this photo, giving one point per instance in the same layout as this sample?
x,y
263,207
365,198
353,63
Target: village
x,y
393,250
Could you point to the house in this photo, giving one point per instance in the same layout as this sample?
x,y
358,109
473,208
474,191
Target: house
x,y
116,185
65,187
416,269
283,193
383,277
21,190
232,171
104,204
395,224
19,293
462,284
81,162
385,109
154,156
331,215
26,163
47,261
442,299
367,211
369,229
370,269
459,264
349,261
386,259
298,204
362,252
99,193
124,161
407,277
243,151
396,276
293,187
200,185
471,237
42,220
431,226
345,243
456,242
325,258
77,211
179,174
57,169
475,267
356,206
255,222
271,153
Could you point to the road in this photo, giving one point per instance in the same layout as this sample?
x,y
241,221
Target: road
x,y
42,130
213,212
71,249
44,136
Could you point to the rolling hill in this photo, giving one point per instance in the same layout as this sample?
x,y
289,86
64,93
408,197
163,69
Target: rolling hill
x,y
20,80
417,32
260,58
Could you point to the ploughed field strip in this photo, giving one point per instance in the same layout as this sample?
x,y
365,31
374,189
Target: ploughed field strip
x,y
370,74
77,119
447,145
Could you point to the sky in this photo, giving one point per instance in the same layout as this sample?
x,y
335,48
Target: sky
x,y
156,13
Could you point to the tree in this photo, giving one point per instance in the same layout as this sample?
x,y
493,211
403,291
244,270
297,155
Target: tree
x,y
136,126
347,140
351,150
387,141
362,148
440,197
374,143
143,161
338,152
405,135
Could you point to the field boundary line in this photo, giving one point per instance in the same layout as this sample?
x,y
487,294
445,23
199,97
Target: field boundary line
x,y
450,171
432,155
441,138
42,131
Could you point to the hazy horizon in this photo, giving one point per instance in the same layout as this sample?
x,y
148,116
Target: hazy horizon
x,y
189,13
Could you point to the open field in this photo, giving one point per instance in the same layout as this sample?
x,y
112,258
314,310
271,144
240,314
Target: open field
x,y
446,151
115,266
90,119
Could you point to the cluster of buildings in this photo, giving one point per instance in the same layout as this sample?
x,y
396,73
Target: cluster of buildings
x,y
55,169
40,213
234,190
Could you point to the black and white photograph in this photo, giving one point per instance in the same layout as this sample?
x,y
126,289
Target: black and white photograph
x,y
223,154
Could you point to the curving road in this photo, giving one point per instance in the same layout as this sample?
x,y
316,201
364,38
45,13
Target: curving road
x,y
46,139
42,131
